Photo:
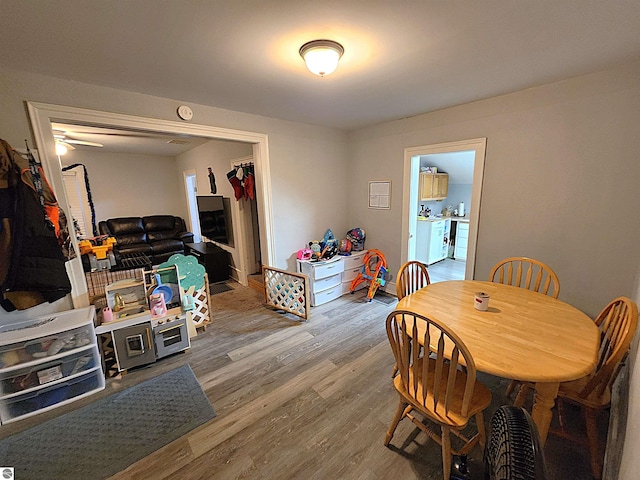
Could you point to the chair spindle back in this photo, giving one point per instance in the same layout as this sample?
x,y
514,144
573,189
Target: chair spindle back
x,y
526,273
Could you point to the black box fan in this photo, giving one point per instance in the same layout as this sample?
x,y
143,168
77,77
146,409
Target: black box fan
x,y
513,450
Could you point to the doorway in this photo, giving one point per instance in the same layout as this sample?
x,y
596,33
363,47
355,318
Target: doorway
x,y
246,211
412,162
191,190
41,115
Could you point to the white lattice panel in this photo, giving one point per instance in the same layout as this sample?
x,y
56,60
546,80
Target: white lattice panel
x,y
286,291
201,314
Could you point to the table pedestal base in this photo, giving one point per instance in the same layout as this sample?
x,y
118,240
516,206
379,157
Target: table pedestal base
x,y
543,401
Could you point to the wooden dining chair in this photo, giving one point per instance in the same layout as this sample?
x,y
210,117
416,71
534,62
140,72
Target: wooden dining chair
x,y
434,384
617,324
526,273
412,276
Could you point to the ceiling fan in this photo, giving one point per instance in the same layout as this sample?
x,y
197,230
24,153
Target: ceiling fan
x,y
65,143
115,139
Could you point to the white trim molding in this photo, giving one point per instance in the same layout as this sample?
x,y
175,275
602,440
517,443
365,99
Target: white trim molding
x,y
410,193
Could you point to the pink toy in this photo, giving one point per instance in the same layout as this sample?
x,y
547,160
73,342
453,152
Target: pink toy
x,y
107,314
305,254
157,305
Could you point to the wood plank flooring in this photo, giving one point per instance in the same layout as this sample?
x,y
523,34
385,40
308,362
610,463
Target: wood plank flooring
x,y
297,400
447,269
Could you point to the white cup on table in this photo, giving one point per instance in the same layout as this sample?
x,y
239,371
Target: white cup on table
x,y
481,301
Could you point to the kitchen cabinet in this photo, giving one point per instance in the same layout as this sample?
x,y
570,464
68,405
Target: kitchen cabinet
x,y
48,361
432,240
462,238
434,186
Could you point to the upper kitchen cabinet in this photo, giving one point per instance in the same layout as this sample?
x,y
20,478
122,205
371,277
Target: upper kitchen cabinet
x,y
434,186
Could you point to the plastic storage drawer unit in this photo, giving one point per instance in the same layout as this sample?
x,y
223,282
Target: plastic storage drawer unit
x,y
325,279
352,267
48,361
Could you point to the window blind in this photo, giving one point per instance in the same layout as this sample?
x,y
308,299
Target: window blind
x,y
73,188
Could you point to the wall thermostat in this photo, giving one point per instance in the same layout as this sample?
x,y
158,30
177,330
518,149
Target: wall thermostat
x,y
185,113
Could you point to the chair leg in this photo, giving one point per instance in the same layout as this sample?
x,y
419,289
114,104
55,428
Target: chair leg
x,y
512,386
446,453
560,407
481,429
521,397
591,421
394,423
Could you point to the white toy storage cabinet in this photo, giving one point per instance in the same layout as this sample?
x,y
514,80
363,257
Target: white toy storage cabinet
x,y
330,279
48,361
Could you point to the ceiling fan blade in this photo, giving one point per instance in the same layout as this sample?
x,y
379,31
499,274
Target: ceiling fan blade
x,y
82,142
122,134
67,145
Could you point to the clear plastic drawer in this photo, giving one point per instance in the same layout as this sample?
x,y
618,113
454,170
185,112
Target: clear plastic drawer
x,y
33,376
46,346
43,399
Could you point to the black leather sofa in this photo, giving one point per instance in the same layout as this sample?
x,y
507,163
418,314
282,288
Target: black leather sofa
x,y
156,236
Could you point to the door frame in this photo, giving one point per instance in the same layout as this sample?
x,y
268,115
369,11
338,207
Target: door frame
x,y
42,114
245,248
410,193
194,222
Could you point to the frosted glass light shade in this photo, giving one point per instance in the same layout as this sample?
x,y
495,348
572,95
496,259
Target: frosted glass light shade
x,y
321,56
61,149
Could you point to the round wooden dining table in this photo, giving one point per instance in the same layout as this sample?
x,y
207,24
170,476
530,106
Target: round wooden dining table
x,y
523,335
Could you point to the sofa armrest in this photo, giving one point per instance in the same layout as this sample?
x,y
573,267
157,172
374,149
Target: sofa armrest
x,y
186,237
103,228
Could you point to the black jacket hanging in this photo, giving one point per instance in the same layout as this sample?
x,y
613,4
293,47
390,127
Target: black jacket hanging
x,y
36,262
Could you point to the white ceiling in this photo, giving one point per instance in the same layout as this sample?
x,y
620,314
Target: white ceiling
x,y
126,141
402,58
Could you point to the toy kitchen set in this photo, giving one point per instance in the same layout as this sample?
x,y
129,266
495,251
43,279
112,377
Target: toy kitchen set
x,y
144,320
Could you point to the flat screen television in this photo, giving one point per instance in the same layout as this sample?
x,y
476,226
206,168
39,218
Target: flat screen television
x,y
214,213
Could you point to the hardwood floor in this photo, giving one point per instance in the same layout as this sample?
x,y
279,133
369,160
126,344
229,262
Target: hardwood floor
x,y
447,269
297,400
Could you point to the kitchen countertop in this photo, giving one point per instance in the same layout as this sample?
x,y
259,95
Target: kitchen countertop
x,y
436,219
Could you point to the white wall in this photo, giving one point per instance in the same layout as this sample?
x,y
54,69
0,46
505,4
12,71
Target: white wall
x,y
128,185
560,180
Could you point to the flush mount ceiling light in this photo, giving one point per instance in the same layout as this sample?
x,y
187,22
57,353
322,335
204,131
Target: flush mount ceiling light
x,y
321,56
